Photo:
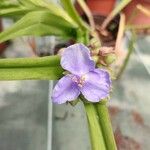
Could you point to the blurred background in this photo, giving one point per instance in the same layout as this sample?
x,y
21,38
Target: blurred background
x,y
28,119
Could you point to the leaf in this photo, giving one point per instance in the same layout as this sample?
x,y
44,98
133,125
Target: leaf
x,y
14,9
31,73
68,6
26,3
53,8
39,23
38,68
7,8
50,61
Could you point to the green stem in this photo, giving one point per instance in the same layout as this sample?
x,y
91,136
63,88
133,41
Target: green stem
x,y
44,68
31,73
116,10
124,65
96,136
105,124
137,27
100,129
122,4
30,62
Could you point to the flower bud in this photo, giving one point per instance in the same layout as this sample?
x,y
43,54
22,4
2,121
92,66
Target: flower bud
x,y
99,65
95,58
109,59
95,43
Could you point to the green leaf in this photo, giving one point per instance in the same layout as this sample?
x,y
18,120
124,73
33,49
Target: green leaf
x,y
13,11
8,8
39,23
51,61
68,6
44,68
31,73
53,8
25,6
26,3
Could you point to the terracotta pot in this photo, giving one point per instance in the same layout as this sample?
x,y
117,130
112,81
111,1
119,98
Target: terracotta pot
x,y
99,7
102,7
140,18
100,10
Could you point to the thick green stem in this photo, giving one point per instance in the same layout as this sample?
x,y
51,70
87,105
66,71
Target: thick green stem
x,y
31,73
96,136
105,124
101,133
44,68
100,129
50,61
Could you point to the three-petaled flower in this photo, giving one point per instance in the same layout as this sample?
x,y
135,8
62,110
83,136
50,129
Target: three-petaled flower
x,y
93,83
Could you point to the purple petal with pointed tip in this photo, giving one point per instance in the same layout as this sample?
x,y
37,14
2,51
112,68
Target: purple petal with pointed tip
x,y
97,85
77,59
65,90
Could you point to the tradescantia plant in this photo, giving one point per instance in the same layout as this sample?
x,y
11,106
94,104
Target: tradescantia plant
x,y
93,83
82,76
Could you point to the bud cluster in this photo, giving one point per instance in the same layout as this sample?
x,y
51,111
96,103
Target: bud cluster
x,y
104,56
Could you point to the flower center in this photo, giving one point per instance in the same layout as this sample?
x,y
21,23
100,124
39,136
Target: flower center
x,y
79,80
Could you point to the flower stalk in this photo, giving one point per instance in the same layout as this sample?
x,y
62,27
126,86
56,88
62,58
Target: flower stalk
x,y
100,129
96,136
105,124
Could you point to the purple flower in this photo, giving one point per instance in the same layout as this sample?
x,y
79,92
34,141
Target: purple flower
x,y
84,78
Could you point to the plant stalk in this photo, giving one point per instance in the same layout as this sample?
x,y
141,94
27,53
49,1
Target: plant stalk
x,y
98,120
50,61
105,124
130,50
116,10
96,136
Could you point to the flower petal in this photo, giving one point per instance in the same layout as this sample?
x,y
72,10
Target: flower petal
x,y
77,59
65,90
97,85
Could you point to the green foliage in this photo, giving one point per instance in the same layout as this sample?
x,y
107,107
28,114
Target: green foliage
x,y
37,18
50,61
11,9
45,68
68,6
35,73
46,5
39,23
